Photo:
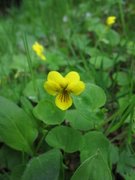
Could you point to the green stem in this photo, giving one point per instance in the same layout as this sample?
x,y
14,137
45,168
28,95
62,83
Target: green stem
x,y
102,35
41,140
126,111
129,135
122,17
30,65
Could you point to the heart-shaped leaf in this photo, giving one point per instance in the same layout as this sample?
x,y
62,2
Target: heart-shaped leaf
x,y
92,98
65,138
47,112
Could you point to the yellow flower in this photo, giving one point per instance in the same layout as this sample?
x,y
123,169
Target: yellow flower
x,y
39,49
62,87
110,20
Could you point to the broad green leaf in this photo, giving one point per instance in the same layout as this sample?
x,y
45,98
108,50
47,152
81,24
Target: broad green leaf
x,y
16,128
92,98
93,168
65,138
113,154
78,121
87,107
95,25
34,93
27,106
130,176
17,172
123,101
20,63
122,78
44,167
84,120
112,37
131,48
47,112
126,162
9,158
93,141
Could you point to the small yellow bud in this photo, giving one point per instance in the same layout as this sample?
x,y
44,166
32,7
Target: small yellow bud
x,y
39,49
110,20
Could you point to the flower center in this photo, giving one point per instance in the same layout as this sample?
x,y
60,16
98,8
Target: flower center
x,y
64,97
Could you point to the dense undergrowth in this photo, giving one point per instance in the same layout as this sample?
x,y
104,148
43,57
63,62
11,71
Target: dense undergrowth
x,y
93,138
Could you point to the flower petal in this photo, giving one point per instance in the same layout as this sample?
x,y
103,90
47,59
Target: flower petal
x,y
42,56
63,101
72,77
76,88
51,87
57,78
38,48
110,20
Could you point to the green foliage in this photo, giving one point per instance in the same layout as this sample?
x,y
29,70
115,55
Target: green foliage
x,y
94,138
60,59
93,98
112,38
34,93
45,166
78,121
87,114
60,137
126,163
42,109
94,168
10,158
16,127
94,141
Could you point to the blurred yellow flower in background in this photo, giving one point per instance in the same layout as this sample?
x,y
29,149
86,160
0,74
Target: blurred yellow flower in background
x,y
110,20
39,49
62,87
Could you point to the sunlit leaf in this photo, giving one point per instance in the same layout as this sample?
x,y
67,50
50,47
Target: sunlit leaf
x,y
16,128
